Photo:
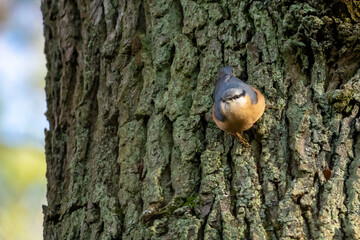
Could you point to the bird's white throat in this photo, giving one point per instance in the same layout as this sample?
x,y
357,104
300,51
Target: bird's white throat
x,y
229,106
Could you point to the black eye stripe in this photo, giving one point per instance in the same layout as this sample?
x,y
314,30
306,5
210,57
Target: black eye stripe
x,y
228,98
239,95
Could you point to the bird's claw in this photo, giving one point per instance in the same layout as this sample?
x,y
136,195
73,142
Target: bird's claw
x,y
241,139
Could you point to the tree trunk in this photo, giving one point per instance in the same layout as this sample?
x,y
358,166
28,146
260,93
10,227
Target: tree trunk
x,y
132,150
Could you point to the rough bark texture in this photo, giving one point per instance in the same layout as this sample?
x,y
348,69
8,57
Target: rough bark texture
x,y
132,151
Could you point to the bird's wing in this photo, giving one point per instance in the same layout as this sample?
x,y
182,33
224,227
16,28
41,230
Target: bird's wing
x,y
248,89
222,84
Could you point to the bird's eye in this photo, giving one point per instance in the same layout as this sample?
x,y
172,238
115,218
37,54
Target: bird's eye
x,y
237,96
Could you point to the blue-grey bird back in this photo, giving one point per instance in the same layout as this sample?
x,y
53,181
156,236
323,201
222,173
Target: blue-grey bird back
x,y
224,83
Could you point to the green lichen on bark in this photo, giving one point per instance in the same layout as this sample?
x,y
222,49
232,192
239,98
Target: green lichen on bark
x,y
133,153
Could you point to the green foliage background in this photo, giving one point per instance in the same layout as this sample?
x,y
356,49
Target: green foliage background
x,y
22,184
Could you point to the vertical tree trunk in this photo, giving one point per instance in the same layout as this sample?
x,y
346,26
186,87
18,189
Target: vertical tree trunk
x,y
132,151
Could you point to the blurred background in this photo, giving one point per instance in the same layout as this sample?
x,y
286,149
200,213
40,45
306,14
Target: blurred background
x,y
22,120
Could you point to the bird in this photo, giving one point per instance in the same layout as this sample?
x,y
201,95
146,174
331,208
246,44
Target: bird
x,y
237,105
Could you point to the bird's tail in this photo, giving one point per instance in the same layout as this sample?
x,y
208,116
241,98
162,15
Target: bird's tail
x,y
225,71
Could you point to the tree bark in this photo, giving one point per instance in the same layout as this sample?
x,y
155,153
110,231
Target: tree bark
x,y
133,153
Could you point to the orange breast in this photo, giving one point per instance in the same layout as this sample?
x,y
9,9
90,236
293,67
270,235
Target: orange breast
x,y
240,117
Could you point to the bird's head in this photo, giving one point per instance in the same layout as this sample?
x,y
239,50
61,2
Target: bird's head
x,y
234,95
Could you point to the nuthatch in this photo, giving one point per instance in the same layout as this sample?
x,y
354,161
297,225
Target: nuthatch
x,y
237,106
